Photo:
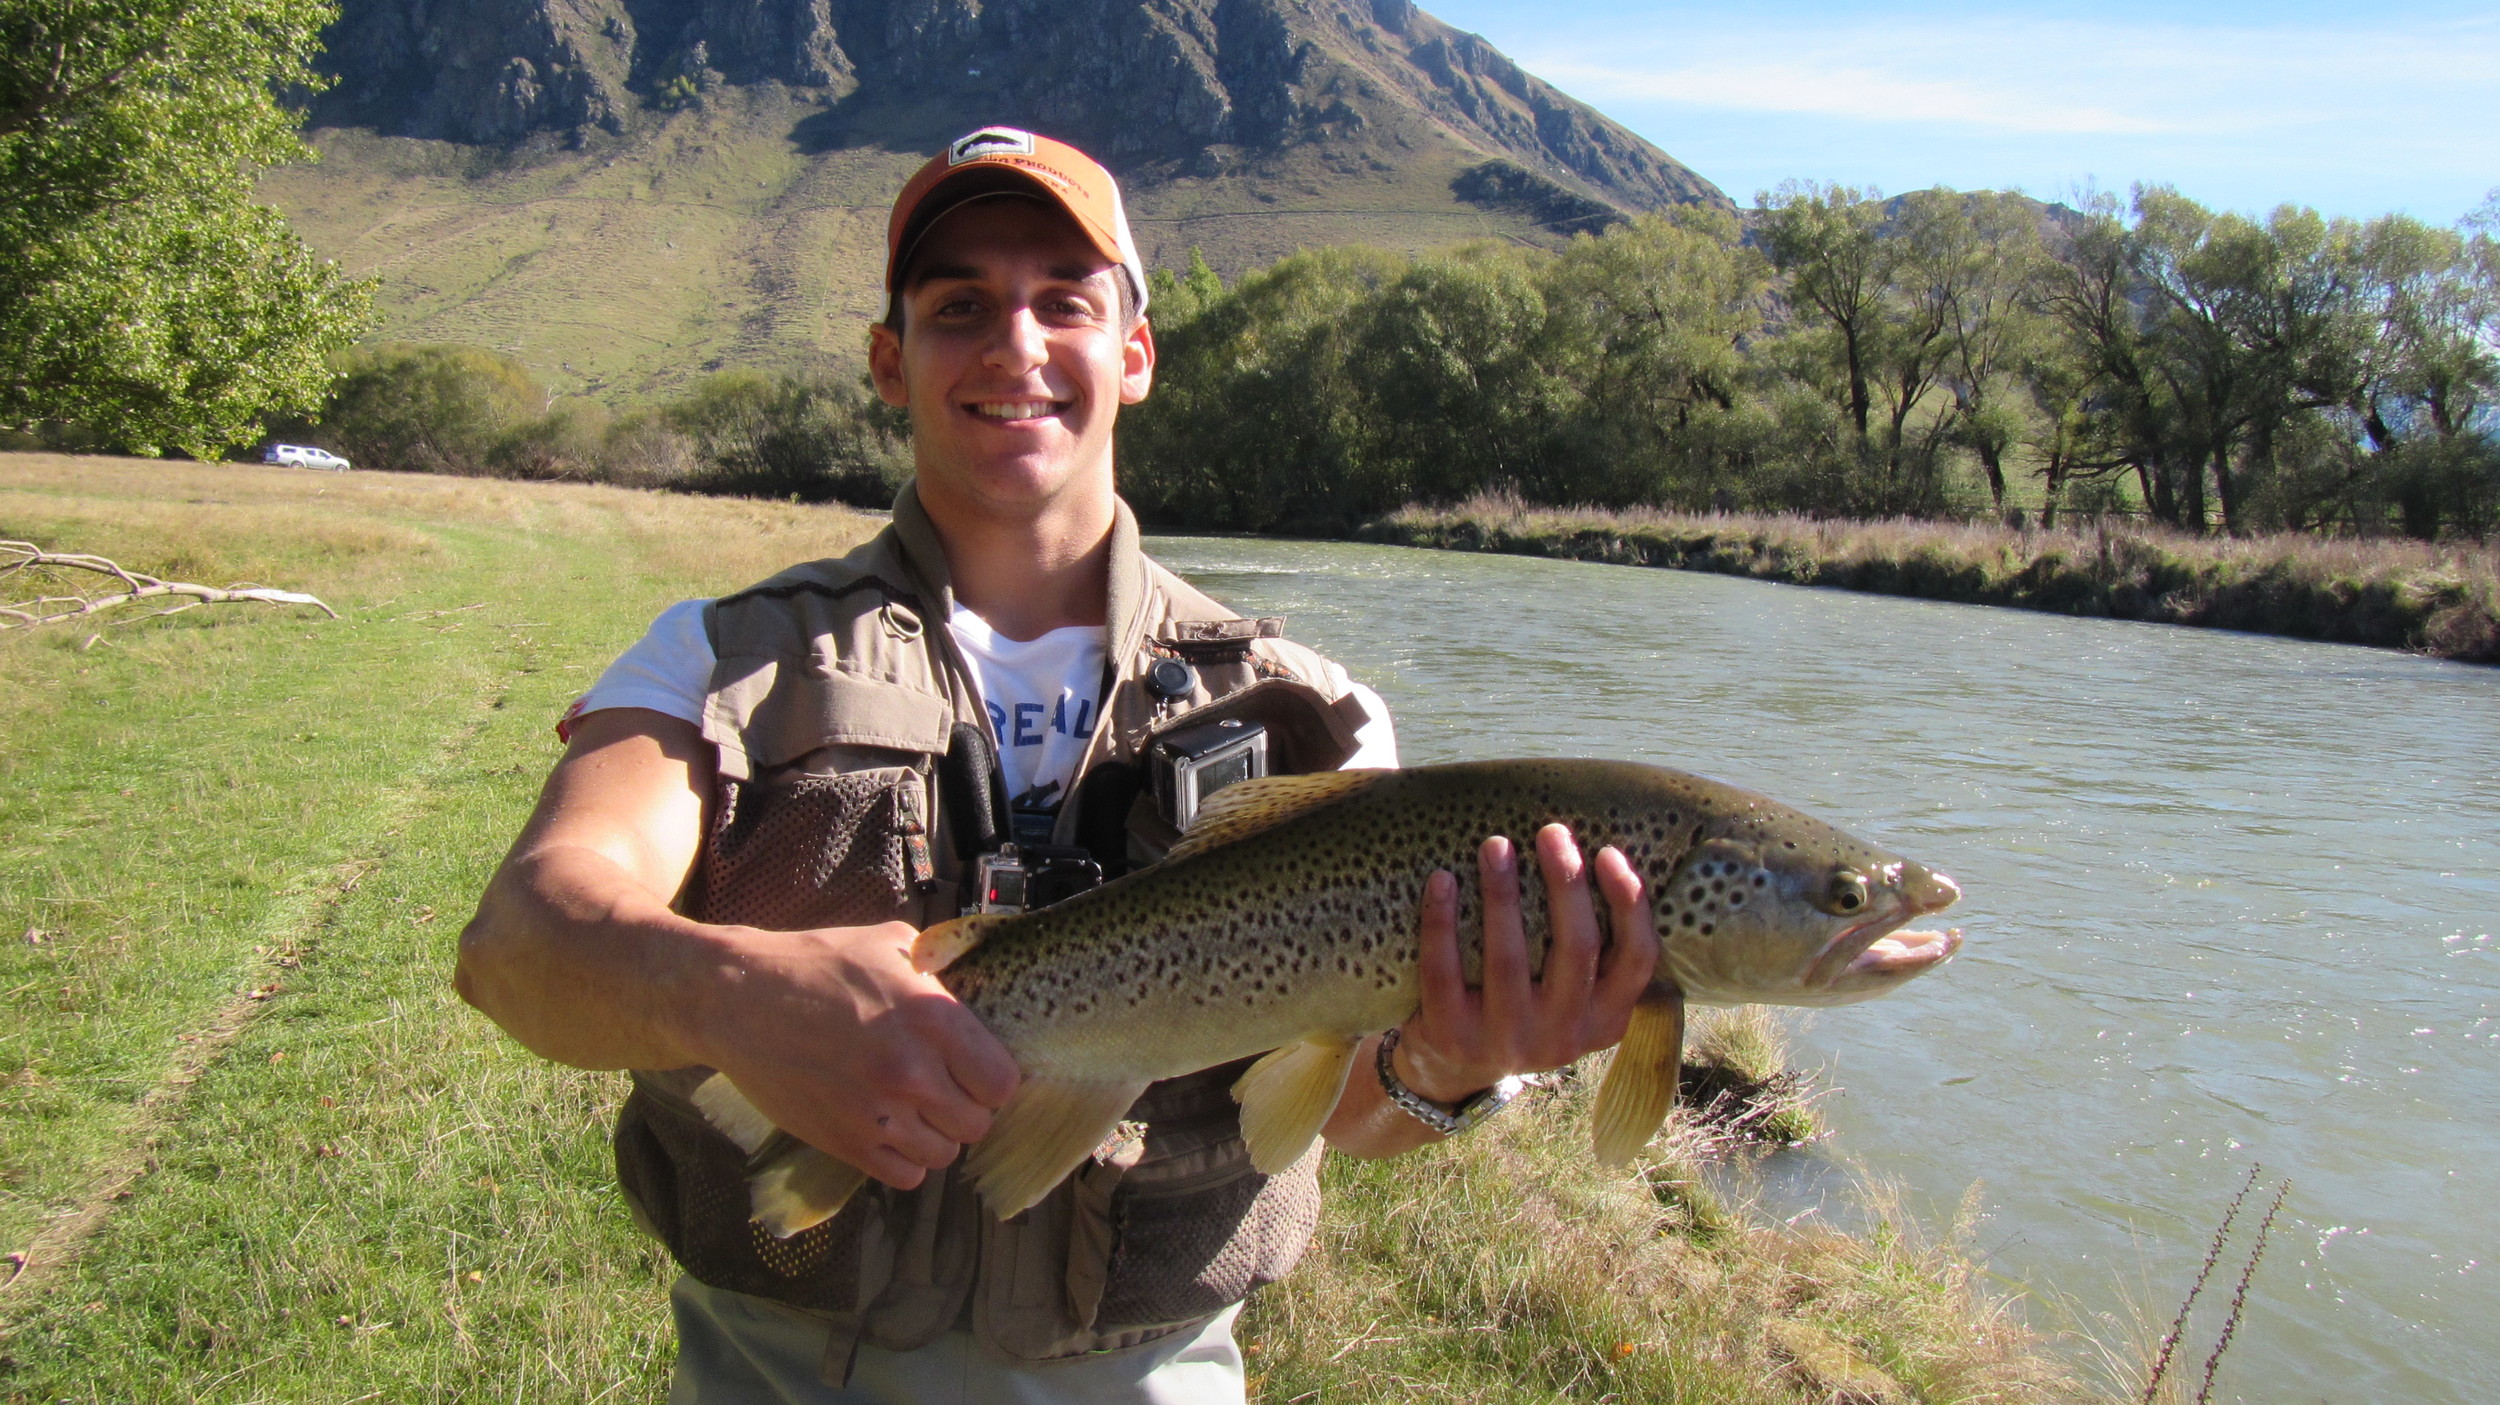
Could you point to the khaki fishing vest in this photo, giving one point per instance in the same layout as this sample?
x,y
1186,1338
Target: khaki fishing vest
x,y
832,701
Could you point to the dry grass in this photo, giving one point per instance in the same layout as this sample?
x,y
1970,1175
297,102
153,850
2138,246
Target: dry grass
x,y
1504,1266
2441,599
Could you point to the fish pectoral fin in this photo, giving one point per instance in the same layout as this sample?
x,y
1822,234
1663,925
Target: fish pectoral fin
x,y
801,1191
1045,1131
731,1114
1640,1083
1246,807
1287,1096
941,946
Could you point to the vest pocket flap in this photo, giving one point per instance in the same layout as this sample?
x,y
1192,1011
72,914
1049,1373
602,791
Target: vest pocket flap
x,y
798,713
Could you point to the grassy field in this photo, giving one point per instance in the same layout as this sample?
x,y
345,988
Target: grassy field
x,y
253,1149
2441,599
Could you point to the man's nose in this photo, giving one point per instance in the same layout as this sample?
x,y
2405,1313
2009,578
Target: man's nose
x,y
1016,342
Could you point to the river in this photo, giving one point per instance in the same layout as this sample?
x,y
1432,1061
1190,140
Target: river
x,y
2231,901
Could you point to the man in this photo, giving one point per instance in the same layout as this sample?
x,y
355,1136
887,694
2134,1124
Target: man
x,y
762,802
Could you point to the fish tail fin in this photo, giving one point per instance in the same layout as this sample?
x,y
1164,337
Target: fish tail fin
x,y
1640,1083
1286,1098
1045,1131
801,1191
731,1114
942,945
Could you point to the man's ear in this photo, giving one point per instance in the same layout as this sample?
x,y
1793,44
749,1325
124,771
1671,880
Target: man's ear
x,y
1137,363
885,365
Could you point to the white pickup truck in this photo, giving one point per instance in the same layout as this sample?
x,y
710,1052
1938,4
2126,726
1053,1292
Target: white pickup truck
x,y
302,456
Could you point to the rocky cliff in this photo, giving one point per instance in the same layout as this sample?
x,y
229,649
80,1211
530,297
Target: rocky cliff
x,y
1161,88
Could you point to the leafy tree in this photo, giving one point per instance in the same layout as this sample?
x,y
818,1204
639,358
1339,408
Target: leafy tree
x,y
1655,316
143,294
814,438
426,408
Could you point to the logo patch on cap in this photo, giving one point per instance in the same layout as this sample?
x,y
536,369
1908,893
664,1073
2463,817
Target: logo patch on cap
x,y
990,141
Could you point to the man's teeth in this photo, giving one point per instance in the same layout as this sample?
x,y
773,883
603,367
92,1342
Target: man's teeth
x,y
1014,409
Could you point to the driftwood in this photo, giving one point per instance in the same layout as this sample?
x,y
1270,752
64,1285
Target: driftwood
x,y
135,586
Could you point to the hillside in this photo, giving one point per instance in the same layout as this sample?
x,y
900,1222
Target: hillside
x,y
626,193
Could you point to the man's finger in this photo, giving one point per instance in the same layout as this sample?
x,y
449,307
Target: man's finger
x,y
1570,919
1632,959
958,1119
1505,938
1443,978
903,1131
980,1065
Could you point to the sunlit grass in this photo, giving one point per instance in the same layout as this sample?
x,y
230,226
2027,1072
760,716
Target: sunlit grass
x,y
2441,598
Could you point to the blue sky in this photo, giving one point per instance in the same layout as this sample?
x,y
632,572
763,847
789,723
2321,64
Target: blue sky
x,y
2356,109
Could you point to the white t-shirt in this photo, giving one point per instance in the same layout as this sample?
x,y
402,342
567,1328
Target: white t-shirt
x,y
1043,695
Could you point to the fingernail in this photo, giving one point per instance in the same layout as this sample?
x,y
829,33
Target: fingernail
x,y
1498,854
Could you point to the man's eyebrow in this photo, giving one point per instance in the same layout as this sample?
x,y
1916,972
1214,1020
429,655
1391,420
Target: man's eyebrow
x,y
940,272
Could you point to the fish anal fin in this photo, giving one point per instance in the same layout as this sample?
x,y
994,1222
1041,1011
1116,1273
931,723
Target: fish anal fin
x,y
1246,807
731,1114
1045,1131
801,1191
942,945
1640,1083
1287,1096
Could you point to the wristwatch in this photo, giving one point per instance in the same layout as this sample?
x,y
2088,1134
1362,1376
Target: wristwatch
x,y
1451,1121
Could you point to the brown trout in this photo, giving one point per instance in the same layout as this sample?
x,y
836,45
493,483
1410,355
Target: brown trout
x,y
1284,924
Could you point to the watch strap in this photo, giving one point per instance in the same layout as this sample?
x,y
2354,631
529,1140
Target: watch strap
x,y
1449,1121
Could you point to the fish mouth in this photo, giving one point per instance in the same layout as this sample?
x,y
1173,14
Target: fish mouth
x,y
1876,952
1901,955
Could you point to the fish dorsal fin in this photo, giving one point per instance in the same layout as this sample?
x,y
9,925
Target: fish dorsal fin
x,y
1244,808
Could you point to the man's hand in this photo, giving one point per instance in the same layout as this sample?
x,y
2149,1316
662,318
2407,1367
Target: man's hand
x,y
576,952
1465,1039
836,1038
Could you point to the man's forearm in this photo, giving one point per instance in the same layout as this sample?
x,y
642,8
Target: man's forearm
x,y
581,964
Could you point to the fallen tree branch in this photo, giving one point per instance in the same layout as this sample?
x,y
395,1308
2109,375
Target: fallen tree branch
x,y
18,556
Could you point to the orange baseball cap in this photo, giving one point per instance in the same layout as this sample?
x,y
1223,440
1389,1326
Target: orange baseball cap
x,y
1007,160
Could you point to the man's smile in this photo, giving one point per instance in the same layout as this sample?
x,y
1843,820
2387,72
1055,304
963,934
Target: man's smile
x,y
1017,409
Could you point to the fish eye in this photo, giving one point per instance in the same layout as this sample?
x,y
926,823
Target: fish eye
x,y
1848,891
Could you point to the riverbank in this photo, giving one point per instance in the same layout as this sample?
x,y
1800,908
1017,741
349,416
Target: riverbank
x,y
2442,600
252,1146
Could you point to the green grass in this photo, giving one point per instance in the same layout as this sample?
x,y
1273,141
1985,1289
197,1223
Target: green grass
x,y
352,1187
238,802
2441,599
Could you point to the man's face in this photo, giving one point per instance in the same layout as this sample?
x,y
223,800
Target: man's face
x,y
1013,360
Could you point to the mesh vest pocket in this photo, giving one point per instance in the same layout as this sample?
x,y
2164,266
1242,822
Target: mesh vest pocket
x,y
795,852
1195,1229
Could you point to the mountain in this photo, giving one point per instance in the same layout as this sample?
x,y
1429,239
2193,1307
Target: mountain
x,y
626,193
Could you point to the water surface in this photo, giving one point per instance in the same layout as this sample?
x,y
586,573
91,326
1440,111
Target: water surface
x,y
2230,901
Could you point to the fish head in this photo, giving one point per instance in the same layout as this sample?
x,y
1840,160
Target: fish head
x,y
1782,909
